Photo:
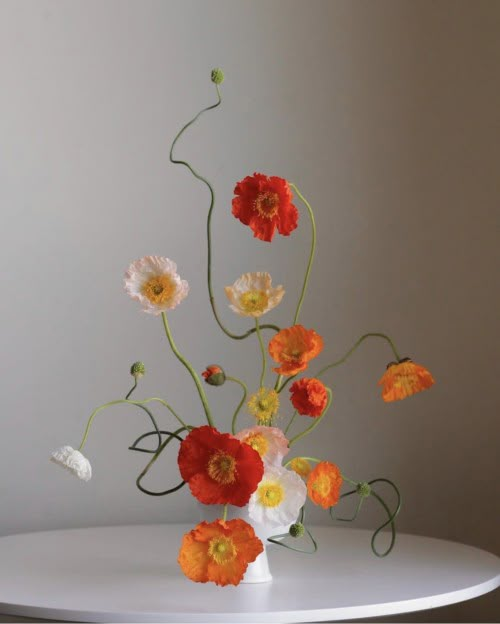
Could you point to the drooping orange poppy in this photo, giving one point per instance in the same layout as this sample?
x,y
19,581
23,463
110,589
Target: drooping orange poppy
x,y
218,468
324,483
309,396
264,203
293,348
404,378
219,551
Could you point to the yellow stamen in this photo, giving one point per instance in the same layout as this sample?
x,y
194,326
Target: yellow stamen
x,y
222,468
221,549
258,442
254,301
159,289
270,494
266,204
264,405
322,485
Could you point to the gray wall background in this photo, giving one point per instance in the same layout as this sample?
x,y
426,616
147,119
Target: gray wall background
x,y
385,114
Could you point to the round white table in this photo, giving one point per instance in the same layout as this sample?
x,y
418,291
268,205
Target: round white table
x,y
130,574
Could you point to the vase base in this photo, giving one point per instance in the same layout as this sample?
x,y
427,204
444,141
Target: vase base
x,y
258,571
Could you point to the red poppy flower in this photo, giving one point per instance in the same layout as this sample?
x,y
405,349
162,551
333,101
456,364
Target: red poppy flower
x,y
265,203
218,468
309,397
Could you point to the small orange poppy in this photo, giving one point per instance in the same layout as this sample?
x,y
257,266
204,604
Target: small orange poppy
x,y
219,551
293,348
309,397
301,466
404,378
324,483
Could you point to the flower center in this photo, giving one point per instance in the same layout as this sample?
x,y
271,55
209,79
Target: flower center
x,y
266,204
322,485
258,442
264,404
159,288
222,468
254,301
270,494
221,549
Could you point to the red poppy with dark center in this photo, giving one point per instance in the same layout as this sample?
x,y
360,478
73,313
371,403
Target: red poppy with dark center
x,y
264,203
218,468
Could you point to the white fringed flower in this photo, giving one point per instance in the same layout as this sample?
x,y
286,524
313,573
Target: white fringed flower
x,y
278,497
252,294
74,461
269,442
153,281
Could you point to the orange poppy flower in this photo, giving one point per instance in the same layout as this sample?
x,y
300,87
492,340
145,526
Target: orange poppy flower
x,y
218,468
265,204
404,378
324,483
293,348
219,551
309,397
301,466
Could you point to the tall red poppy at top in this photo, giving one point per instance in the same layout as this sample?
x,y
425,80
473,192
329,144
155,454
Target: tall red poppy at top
x,y
265,203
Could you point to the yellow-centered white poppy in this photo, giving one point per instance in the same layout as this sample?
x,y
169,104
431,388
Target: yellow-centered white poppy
x,y
278,497
252,294
269,442
153,282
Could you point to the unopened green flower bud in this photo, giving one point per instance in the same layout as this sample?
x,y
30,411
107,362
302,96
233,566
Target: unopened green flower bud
x,y
297,529
364,489
214,375
217,76
138,370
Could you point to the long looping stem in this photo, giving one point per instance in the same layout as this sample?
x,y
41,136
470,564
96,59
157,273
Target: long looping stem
x,y
263,352
311,253
314,424
240,404
390,517
148,412
198,176
192,372
356,512
126,401
278,539
171,436
355,346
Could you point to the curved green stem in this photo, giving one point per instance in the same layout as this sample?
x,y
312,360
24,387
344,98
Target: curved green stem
x,y
171,436
285,383
191,370
263,351
126,401
314,424
311,253
224,513
148,412
390,519
291,422
198,176
355,346
240,404
129,393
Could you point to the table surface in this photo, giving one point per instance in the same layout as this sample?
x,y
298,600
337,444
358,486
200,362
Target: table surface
x,y
130,574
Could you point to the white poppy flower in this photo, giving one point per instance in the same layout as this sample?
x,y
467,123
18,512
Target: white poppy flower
x,y
252,294
153,281
269,442
74,461
278,497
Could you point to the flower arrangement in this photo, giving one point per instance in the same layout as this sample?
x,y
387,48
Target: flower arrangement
x,y
249,468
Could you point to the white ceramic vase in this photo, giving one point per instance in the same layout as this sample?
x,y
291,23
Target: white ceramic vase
x,y
258,571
